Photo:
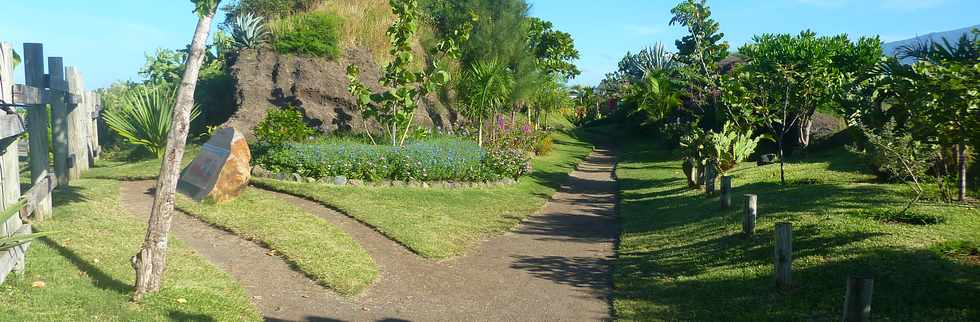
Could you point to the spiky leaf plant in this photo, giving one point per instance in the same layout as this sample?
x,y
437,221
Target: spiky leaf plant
x,y
144,115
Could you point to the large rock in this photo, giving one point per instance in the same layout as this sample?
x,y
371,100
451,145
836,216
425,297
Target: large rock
x,y
315,86
221,171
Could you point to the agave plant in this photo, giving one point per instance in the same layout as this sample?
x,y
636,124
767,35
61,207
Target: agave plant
x,y
249,31
732,146
143,116
8,242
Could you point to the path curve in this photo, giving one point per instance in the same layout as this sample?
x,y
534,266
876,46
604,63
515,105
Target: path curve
x,y
554,267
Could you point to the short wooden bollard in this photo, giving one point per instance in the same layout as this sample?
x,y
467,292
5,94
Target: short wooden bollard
x,y
857,300
709,179
726,192
783,258
751,214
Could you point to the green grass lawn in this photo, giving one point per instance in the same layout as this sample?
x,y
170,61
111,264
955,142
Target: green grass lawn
x,y
324,252
442,223
120,167
87,274
681,258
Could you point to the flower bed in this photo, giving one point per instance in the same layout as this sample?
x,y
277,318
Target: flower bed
x,y
443,159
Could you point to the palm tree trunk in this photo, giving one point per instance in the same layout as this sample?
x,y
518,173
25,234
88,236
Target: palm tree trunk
x,y
479,133
961,162
150,262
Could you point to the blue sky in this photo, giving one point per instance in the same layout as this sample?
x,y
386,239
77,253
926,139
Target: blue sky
x,y
107,39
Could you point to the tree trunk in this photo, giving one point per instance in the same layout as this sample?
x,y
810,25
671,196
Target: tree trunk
x,y
479,133
961,162
806,127
150,261
782,164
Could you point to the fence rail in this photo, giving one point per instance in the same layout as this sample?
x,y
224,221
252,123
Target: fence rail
x,y
55,101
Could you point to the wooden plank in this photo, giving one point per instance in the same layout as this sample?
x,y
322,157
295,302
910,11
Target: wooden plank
x,y
37,123
37,196
59,118
9,172
27,95
77,135
10,125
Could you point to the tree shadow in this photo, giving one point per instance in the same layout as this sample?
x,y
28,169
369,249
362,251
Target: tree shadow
x,y
99,278
189,317
910,285
590,273
66,195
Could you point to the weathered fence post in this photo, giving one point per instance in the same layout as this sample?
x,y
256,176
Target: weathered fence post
x,y
77,137
709,179
37,123
12,259
59,118
751,214
857,300
726,192
95,112
783,258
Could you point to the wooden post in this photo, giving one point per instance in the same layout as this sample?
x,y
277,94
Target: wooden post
x,y
13,259
37,122
709,179
783,258
857,300
726,192
77,143
751,214
59,118
96,113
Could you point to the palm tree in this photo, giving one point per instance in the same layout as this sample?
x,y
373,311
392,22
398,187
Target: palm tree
x,y
943,76
486,88
150,262
656,95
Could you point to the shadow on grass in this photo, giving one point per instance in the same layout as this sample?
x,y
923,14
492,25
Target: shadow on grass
x,y
323,319
189,317
99,278
63,196
910,285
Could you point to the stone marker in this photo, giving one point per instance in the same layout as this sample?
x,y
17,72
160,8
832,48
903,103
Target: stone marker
x,y
221,171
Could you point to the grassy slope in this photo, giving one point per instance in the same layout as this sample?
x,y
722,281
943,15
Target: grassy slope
x,y
683,259
441,223
88,277
320,250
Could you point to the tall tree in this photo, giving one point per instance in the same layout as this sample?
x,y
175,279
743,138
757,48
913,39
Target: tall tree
x,y
700,50
150,262
554,49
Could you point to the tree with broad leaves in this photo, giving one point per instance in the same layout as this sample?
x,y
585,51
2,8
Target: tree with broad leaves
x,y
150,262
554,49
700,51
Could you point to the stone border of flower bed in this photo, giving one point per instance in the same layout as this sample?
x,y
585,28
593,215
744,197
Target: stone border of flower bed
x,y
258,171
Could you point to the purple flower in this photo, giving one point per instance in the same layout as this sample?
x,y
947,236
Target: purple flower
x,y
526,129
500,122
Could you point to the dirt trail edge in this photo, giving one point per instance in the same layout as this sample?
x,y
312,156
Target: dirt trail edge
x,y
280,293
556,266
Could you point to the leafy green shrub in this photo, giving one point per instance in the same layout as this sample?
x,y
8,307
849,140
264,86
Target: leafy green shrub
x,y
142,116
903,217
311,34
442,159
509,163
731,146
281,126
544,146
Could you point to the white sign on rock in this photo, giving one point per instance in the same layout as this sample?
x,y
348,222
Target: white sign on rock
x,y
221,171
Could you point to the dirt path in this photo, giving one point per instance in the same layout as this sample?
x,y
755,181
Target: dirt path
x,y
554,267
279,292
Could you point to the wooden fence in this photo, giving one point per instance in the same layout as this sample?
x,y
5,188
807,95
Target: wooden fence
x,y
55,101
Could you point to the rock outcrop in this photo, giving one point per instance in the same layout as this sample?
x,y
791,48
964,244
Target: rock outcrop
x,y
315,86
